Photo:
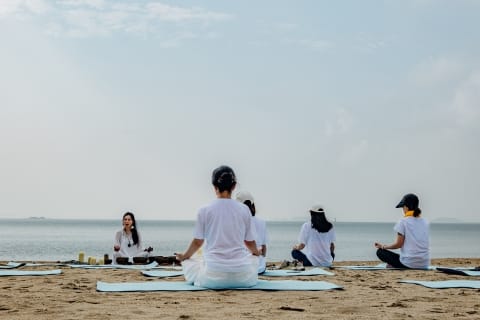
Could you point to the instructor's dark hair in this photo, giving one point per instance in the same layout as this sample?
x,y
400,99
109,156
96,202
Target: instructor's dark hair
x,y
224,178
134,227
320,222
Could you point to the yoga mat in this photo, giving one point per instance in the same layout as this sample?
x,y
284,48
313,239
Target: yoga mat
x,y
116,266
289,273
176,267
474,284
381,266
462,272
12,265
289,285
29,273
162,273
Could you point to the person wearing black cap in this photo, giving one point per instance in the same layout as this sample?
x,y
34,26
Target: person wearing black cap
x,y
316,239
412,238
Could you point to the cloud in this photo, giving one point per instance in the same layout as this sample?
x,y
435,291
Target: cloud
x,y
437,71
368,43
99,18
313,44
178,14
341,124
354,153
466,101
19,7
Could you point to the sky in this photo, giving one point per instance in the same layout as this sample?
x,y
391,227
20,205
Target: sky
x,y
115,106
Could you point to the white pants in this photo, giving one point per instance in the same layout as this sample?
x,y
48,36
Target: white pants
x,y
196,273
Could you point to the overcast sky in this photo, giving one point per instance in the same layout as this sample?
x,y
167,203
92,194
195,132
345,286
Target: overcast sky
x,y
109,106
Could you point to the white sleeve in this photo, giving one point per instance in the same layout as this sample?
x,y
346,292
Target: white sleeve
x,y
118,238
400,227
199,231
303,236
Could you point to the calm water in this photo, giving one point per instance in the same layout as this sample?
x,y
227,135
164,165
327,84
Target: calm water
x,y
52,240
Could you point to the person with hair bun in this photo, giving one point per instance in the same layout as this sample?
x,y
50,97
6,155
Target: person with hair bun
x,y
316,238
412,238
225,226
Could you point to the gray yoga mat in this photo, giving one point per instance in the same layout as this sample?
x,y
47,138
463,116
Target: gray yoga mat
x,y
12,265
289,285
289,273
460,271
162,273
29,272
381,266
116,266
474,284
268,273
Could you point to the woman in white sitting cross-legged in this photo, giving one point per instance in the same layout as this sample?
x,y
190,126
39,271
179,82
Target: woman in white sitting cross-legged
x,y
225,226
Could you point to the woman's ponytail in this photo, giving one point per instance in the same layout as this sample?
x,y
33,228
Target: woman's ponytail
x,y
417,212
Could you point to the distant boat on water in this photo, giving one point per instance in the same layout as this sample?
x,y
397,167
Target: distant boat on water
x,y
36,218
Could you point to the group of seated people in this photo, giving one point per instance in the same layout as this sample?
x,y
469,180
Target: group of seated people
x,y
234,240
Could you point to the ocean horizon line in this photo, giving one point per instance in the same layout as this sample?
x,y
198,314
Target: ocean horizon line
x,y
432,221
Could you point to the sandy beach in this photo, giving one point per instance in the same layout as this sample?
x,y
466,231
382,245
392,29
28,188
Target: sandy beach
x,y
366,295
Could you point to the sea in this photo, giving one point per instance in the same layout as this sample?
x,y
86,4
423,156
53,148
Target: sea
x,y
39,239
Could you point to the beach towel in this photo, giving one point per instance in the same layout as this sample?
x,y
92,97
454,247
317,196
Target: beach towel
x,y
116,266
380,266
289,285
473,284
29,272
289,273
460,271
12,265
162,273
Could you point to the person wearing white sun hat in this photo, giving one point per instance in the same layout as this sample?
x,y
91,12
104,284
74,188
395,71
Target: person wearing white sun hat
x,y
261,238
315,245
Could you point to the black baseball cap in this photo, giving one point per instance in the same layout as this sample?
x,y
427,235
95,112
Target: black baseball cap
x,y
409,200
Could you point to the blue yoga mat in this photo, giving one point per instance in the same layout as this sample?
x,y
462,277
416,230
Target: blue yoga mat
x,y
29,273
474,284
460,271
289,285
12,265
381,266
290,273
268,273
162,273
116,266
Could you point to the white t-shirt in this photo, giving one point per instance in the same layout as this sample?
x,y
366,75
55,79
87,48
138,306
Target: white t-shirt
x,y
317,244
224,225
415,251
123,240
261,239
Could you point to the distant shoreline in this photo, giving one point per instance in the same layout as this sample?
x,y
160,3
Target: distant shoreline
x,y
433,221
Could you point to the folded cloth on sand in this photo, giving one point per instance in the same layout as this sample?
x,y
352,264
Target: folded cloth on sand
x,y
289,285
12,265
290,273
29,272
473,284
460,271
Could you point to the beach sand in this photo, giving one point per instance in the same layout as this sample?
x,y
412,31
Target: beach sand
x,y
366,295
